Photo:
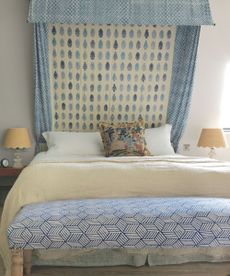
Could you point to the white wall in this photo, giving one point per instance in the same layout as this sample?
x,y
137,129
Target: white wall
x,y
213,57
16,78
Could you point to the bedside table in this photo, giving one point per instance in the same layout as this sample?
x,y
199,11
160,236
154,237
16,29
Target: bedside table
x,y
7,180
10,172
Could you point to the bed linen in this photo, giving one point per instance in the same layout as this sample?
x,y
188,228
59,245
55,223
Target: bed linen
x,y
51,177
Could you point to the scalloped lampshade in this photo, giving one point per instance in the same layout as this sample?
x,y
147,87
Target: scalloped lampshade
x,y
17,138
212,138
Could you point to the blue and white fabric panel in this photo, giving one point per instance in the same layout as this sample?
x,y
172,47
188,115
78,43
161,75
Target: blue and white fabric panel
x,y
123,223
148,12
43,111
185,56
109,73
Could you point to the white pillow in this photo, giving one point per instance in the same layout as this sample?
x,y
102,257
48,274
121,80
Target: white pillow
x,y
158,140
80,143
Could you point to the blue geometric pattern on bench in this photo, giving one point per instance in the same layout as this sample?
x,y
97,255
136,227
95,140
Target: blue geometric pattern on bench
x,y
123,223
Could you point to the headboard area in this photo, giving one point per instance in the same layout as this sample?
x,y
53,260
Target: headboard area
x,y
116,61
109,73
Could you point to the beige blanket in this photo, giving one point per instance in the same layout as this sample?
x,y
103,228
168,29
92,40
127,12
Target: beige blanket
x,y
50,178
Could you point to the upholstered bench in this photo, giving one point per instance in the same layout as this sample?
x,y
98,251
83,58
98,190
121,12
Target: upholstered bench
x,y
118,223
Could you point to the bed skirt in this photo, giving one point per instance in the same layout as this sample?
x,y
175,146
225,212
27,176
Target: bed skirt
x,y
132,257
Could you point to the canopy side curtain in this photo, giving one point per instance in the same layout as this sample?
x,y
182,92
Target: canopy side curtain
x,y
174,12
185,54
42,108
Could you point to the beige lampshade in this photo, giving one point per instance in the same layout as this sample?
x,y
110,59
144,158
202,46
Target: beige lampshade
x,y
17,138
212,138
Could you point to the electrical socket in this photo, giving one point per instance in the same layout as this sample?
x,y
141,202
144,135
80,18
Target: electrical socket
x,y
186,147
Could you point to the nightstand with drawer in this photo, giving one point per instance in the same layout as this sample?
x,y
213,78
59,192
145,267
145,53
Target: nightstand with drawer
x,y
7,180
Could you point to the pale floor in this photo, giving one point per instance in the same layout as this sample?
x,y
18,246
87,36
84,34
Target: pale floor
x,y
189,269
195,269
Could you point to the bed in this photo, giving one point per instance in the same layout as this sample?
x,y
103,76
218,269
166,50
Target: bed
x,y
68,98
52,177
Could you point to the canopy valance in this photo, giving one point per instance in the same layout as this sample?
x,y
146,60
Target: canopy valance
x,y
145,12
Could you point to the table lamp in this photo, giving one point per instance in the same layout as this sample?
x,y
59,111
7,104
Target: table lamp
x,y
212,138
17,139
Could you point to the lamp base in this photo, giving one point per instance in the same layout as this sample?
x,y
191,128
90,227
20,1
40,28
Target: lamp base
x,y
212,153
17,164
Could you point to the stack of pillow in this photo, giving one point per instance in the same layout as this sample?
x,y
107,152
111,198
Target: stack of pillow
x,y
121,139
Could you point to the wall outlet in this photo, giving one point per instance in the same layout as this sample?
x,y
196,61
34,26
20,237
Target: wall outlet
x,y
186,147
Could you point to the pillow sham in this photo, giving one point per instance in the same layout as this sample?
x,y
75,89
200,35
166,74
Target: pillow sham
x,y
123,139
81,143
158,140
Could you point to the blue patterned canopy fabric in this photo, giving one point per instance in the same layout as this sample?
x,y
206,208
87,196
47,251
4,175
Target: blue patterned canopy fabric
x,y
123,223
42,105
146,12
185,53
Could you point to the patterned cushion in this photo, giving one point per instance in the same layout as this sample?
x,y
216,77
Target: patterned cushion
x,y
123,139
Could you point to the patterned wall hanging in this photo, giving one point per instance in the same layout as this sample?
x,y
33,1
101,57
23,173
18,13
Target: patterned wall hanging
x,y
109,73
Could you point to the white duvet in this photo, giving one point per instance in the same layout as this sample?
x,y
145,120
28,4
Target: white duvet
x,y
51,177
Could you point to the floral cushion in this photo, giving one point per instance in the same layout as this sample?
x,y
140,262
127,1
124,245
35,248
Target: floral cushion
x,y
124,139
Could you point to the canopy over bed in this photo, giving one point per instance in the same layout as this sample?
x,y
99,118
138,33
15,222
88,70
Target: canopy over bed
x,y
103,60
145,12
